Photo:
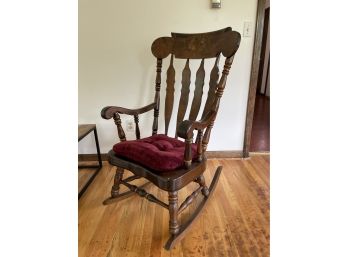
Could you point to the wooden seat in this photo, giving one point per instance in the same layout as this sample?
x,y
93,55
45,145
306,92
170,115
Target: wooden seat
x,y
224,42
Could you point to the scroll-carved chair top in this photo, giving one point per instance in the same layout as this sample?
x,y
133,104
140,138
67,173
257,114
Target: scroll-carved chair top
x,y
197,46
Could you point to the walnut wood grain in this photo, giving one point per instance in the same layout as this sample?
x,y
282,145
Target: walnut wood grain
x,y
213,82
211,33
157,96
201,181
185,90
109,111
222,83
184,227
131,178
142,193
189,200
199,145
188,153
117,179
186,127
168,181
185,130
168,109
118,124
162,47
218,94
123,195
197,46
137,130
173,212
206,135
197,97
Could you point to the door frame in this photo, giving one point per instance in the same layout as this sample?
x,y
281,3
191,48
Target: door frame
x,y
254,74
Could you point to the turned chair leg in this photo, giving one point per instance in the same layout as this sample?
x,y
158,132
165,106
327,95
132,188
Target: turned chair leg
x,y
118,177
174,226
201,181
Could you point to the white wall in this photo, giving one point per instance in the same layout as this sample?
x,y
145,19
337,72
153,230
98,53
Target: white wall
x,y
116,66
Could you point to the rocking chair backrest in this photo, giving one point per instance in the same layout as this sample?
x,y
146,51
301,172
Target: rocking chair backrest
x,y
193,46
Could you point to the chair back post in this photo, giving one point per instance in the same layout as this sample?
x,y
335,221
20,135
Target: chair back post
x,y
157,96
215,106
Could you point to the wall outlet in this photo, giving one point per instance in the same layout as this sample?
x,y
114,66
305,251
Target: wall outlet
x,y
129,125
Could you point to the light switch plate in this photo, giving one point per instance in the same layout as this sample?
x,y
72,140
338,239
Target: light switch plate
x,y
247,29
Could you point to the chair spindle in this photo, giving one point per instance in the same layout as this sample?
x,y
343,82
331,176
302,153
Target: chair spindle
x,y
216,103
120,130
214,77
174,226
185,90
169,95
199,145
188,153
157,96
197,97
137,130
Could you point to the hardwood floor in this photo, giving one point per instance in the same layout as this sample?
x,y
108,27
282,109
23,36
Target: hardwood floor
x,y
260,133
234,223
83,177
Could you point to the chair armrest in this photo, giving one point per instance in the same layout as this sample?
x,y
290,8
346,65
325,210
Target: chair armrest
x,y
109,111
186,127
185,130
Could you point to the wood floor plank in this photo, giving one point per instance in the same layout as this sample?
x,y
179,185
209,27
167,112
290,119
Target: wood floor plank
x,y
91,210
235,222
235,213
83,177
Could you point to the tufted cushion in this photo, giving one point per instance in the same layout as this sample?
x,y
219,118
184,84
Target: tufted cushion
x,y
158,152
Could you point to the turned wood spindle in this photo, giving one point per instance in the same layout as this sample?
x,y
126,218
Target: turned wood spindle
x,y
142,193
174,226
157,96
137,130
199,145
117,179
201,181
188,153
120,130
216,103
189,200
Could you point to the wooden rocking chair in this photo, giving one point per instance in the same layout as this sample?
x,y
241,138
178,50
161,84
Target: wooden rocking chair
x,y
167,162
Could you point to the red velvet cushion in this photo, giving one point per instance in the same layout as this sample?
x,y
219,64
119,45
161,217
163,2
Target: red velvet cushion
x,y
158,152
